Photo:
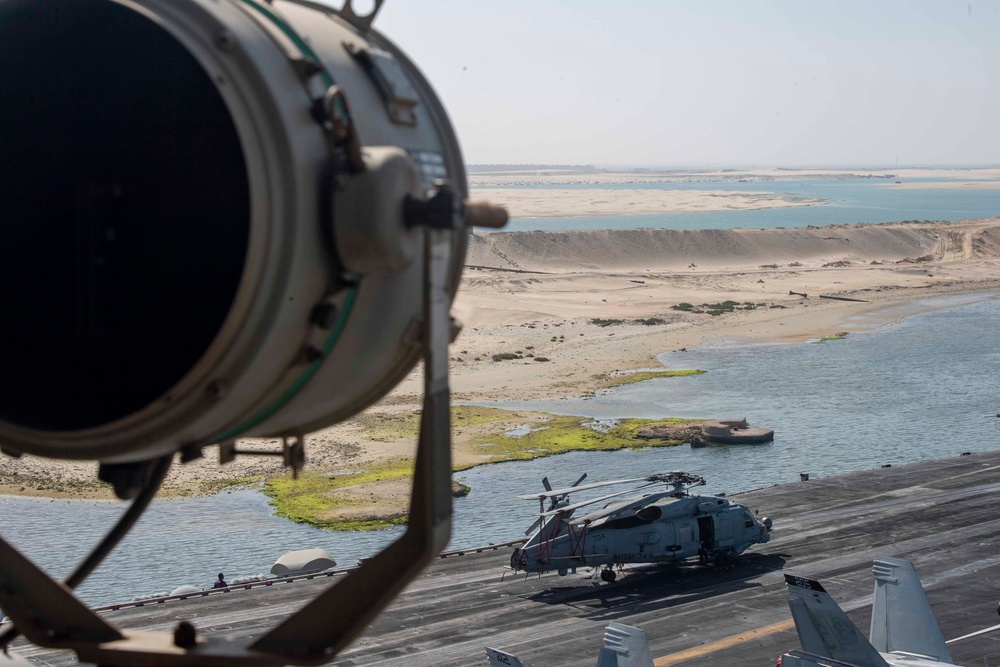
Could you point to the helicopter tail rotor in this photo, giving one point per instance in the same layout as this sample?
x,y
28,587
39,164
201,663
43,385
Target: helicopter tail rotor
x,y
555,501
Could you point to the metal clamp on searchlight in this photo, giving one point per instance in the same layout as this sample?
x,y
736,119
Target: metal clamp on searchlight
x,y
222,219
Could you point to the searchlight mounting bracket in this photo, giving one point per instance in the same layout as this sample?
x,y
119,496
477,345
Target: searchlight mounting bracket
x,y
361,23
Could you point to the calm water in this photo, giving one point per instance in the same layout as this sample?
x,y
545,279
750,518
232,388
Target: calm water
x,y
913,391
849,201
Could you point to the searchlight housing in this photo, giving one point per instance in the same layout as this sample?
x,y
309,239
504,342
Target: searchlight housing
x,y
218,219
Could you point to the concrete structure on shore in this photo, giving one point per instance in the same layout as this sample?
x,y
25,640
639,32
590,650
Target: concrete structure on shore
x,y
732,432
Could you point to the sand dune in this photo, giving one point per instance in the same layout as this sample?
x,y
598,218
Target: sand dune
x,y
665,249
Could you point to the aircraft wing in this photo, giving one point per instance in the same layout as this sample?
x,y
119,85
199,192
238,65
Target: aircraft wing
x,y
500,658
624,646
823,627
902,619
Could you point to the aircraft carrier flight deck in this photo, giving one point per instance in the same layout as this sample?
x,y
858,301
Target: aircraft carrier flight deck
x,y
942,515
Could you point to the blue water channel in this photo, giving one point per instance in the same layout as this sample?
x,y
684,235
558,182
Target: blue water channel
x,y
849,201
913,391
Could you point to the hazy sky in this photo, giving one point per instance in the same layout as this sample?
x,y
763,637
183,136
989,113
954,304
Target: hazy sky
x,y
648,82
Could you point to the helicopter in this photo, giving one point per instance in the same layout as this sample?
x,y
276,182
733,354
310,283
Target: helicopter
x,y
658,527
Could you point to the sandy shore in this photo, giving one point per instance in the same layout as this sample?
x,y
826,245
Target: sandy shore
x,y
536,203
537,293
519,191
948,185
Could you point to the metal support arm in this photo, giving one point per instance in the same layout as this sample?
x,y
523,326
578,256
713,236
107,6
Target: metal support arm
x,y
50,615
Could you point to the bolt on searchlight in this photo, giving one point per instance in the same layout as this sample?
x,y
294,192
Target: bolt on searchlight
x,y
218,219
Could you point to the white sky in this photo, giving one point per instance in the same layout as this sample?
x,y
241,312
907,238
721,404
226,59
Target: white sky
x,y
721,83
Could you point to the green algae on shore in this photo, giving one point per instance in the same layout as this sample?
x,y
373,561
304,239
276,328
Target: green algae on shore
x,y
313,498
378,497
621,379
557,434
840,335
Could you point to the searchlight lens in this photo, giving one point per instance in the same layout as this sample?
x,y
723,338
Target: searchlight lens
x,y
124,213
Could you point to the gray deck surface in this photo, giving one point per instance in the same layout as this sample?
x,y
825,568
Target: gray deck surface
x,y
943,515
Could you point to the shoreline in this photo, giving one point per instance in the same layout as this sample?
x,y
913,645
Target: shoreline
x,y
393,491
726,332
563,316
555,202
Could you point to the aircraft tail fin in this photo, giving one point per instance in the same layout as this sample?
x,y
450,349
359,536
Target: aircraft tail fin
x,y
823,627
902,619
500,658
624,646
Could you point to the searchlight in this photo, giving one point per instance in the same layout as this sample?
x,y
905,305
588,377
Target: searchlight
x,y
219,219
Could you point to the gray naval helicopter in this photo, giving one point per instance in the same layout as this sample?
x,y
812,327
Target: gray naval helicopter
x,y
658,527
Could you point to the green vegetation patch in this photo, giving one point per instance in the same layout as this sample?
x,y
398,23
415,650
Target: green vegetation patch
x,y
344,501
557,434
840,335
716,309
316,499
464,416
646,321
312,498
642,376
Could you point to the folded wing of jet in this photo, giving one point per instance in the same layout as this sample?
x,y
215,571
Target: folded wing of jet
x,y
903,628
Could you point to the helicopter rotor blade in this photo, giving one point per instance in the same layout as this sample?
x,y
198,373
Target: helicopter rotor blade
x,y
545,483
571,508
577,482
557,492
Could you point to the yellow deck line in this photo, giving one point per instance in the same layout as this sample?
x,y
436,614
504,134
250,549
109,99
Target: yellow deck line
x,y
721,644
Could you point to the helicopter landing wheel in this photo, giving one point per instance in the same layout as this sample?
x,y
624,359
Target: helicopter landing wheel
x,y
608,575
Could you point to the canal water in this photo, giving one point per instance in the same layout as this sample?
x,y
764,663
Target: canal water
x,y
916,390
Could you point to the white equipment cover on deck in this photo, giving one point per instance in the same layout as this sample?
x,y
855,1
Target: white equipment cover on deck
x,y
304,560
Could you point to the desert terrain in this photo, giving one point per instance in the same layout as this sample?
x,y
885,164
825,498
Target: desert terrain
x,y
553,314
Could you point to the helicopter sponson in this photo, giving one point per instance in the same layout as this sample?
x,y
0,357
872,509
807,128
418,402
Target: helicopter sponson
x,y
659,527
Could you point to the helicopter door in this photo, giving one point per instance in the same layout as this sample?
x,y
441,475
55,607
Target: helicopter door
x,y
725,531
685,534
706,531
